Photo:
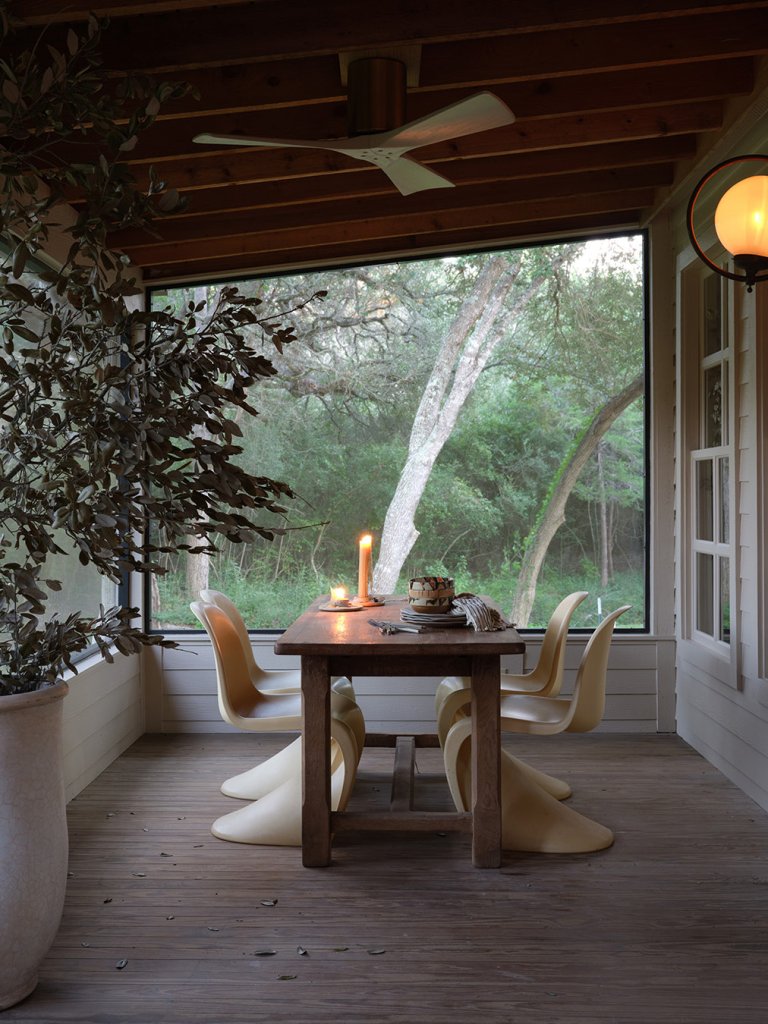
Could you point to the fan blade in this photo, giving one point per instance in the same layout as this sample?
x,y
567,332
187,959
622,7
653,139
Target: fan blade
x,y
408,176
363,147
247,140
477,113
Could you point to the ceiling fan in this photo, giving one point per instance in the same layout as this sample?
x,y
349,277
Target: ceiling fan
x,y
377,134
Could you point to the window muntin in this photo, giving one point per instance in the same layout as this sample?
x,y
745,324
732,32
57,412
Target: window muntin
x,y
485,489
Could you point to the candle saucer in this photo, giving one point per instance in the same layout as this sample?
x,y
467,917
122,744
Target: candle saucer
x,y
352,604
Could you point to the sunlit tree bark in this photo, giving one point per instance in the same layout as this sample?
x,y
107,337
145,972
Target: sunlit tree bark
x,y
552,515
481,323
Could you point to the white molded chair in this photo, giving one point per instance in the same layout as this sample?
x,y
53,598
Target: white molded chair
x,y
532,817
545,680
544,716
275,784
272,680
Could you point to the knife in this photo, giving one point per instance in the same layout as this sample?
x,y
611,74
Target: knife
x,y
394,627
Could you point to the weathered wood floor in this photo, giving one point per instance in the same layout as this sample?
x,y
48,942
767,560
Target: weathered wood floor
x,y
670,924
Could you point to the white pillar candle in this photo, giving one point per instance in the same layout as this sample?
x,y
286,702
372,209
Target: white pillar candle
x,y
364,566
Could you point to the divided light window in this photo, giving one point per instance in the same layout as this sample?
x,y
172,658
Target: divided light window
x,y
710,467
481,415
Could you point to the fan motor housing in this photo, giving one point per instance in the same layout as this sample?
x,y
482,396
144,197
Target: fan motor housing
x,y
376,95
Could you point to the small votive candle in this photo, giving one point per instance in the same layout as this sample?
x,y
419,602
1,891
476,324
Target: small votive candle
x,y
339,596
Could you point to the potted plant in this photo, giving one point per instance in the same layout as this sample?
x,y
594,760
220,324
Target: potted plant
x,y
109,416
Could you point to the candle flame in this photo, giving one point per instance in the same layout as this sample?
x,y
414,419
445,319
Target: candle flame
x,y
366,541
338,593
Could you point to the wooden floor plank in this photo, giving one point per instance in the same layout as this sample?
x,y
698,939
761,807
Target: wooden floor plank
x,y
671,923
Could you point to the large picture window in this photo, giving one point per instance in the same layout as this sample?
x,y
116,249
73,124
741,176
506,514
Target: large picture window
x,y
481,415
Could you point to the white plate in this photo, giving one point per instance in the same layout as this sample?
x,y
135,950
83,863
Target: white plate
x,y
426,619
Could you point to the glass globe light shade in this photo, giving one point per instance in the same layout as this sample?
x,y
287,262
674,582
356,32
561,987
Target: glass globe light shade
x,y
741,217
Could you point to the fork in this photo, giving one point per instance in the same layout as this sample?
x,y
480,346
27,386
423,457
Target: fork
x,y
388,628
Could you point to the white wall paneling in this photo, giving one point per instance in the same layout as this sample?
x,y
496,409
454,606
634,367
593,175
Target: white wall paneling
x,y
188,680
103,716
726,720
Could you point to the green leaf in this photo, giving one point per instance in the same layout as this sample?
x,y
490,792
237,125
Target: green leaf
x,y
11,90
20,257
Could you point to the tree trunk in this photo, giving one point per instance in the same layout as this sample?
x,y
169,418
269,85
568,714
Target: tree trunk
x,y
612,527
468,345
603,517
197,574
552,515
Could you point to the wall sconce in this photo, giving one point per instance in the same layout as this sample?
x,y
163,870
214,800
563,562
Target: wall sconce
x,y
741,222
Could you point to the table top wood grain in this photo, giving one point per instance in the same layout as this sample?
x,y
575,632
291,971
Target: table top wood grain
x,y
323,633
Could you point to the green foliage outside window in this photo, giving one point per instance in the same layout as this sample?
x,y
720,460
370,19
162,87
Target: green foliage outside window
x,y
337,422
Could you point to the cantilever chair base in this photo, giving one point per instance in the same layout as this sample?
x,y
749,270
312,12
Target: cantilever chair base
x,y
275,819
265,777
556,788
533,820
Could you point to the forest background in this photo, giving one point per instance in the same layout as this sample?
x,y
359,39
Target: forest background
x,y
483,416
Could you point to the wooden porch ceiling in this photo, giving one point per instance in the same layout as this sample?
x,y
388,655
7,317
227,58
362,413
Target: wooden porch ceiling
x,y
614,103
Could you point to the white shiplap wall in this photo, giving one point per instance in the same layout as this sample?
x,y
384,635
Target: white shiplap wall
x,y
727,721
103,715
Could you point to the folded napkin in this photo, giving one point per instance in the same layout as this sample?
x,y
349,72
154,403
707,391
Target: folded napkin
x,y
480,616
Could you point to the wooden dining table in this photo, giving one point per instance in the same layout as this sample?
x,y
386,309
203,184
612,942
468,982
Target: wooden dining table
x,y
344,643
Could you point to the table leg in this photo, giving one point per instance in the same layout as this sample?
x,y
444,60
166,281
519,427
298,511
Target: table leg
x,y
316,762
486,762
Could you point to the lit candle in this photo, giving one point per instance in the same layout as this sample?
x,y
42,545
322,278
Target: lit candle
x,y
339,595
364,568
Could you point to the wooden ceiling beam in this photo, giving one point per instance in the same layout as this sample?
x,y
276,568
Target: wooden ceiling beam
x,y
489,170
402,247
242,33
465,62
318,91
49,12
366,181
641,45
191,230
607,96
366,229
173,140
202,168
528,14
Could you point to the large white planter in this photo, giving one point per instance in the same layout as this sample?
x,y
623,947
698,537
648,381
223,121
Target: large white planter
x,y
33,836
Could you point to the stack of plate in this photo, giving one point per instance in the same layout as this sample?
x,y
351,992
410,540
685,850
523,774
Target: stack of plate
x,y
427,619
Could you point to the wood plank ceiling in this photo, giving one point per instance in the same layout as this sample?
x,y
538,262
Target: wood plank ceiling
x,y
613,100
